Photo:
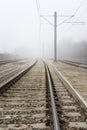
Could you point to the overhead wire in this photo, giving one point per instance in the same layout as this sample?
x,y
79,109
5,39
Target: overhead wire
x,y
84,11
38,9
81,4
65,20
78,8
47,20
39,12
75,13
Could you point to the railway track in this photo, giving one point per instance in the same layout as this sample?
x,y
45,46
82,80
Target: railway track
x,y
11,77
11,71
4,62
7,62
71,108
76,64
24,105
8,68
39,100
76,76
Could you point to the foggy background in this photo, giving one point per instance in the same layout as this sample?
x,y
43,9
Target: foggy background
x,y
23,32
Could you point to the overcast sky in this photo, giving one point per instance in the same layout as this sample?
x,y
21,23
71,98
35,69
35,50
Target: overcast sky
x,y
21,32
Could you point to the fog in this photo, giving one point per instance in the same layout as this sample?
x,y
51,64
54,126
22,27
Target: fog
x,y
22,34
74,52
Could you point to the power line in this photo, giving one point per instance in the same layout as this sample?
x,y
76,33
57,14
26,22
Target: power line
x,y
38,7
69,16
81,14
47,20
79,18
44,17
38,10
65,20
81,4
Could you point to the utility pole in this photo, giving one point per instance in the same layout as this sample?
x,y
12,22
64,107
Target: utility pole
x,y
55,36
55,27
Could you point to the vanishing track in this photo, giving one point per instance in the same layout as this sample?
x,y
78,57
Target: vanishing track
x,y
39,100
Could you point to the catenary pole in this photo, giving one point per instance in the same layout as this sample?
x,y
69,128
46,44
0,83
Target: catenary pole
x,y
55,27
55,36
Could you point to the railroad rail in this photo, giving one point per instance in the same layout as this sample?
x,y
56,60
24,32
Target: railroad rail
x,y
76,77
76,64
3,62
14,76
37,99
39,113
70,88
72,108
8,75
52,98
6,62
12,70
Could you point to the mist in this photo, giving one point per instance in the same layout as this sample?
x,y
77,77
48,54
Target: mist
x,y
73,51
19,27
22,34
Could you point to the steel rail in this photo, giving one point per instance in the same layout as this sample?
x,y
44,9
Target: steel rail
x,y
81,65
53,105
15,78
8,75
7,61
70,88
4,62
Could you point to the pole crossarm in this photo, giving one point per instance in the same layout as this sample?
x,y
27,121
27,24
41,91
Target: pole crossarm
x,y
57,15
65,15
82,22
44,17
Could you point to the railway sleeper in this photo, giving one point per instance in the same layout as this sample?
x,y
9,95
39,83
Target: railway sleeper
x,y
69,110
